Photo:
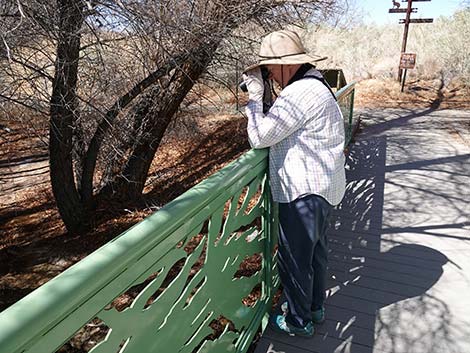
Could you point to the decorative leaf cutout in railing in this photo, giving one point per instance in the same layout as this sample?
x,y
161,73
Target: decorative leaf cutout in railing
x,y
179,318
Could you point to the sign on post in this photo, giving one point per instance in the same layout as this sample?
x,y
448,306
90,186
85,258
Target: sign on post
x,y
407,60
417,20
413,10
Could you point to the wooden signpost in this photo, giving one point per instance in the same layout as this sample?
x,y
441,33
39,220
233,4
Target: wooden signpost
x,y
407,58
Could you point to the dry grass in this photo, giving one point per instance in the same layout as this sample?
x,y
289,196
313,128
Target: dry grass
x,y
373,51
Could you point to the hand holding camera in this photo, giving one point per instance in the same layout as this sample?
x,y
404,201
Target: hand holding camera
x,y
259,87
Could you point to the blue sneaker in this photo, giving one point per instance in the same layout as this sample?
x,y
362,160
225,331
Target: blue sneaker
x,y
318,316
279,323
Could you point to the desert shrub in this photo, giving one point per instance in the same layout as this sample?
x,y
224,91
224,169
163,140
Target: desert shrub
x,y
366,51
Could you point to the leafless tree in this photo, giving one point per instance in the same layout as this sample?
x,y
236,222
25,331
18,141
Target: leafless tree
x,y
110,75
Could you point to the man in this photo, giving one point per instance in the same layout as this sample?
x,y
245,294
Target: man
x,y
305,133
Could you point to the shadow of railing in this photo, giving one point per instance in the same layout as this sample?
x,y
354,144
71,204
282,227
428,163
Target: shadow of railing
x,y
365,278
368,274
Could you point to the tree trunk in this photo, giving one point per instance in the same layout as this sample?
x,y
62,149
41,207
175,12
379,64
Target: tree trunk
x,y
162,105
63,112
89,162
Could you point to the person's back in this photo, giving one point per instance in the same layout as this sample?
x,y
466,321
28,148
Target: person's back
x,y
314,149
304,130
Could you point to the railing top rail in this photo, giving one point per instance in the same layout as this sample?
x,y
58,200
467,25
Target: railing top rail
x,y
42,309
345,90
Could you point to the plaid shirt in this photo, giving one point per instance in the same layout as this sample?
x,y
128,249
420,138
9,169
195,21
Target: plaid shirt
x,y
305,132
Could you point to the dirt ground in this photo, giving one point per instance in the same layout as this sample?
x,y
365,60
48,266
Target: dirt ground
x,y
437,94
34,245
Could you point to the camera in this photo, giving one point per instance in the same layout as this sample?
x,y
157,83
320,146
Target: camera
x,y
267,95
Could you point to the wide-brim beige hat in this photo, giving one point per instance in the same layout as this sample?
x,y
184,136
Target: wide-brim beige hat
x,y
283,48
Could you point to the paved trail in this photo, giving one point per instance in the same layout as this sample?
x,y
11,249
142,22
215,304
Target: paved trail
x,y
400,244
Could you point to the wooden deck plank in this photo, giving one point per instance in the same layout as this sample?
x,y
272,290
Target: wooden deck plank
x,y
402,253
322,342
399,268
336,330
399,243
373,278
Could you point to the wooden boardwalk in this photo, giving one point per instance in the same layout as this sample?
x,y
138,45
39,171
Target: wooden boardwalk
x,y
400,241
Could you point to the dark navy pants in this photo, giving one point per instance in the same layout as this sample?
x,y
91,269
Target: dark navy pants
x,y
303,255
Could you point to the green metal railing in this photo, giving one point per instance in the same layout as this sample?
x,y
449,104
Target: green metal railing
x,y
182,280
345,96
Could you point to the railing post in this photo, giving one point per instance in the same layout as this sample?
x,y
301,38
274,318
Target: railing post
x,y
351,112
267,256
270,228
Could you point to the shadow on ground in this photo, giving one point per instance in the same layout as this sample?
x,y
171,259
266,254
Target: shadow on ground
x,y
365,278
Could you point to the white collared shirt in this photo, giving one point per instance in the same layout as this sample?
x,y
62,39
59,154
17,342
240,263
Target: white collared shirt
x,y
304,130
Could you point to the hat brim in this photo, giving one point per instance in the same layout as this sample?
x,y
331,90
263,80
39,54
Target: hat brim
x,y
287,60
